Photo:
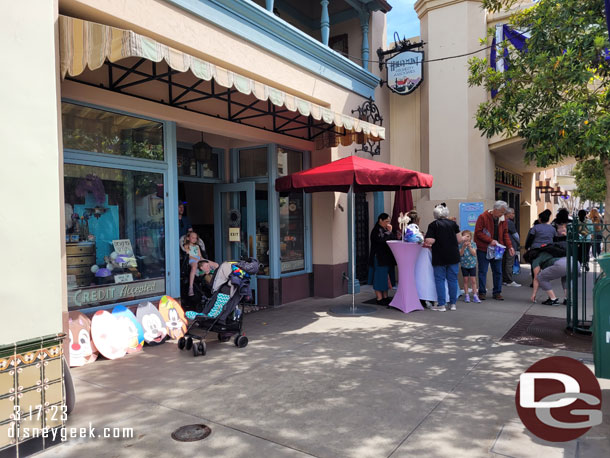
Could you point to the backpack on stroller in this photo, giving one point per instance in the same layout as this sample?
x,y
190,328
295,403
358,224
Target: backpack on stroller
x,y
222,312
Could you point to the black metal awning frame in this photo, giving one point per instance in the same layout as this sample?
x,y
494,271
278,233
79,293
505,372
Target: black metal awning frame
x,y
179,95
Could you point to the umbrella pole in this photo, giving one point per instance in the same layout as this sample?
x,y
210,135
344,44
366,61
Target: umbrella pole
x,y
353,218
346,309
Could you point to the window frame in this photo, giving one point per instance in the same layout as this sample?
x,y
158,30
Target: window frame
x,y
93,159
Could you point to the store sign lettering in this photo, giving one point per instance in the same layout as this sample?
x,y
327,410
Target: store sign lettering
x,y
87,296
405,72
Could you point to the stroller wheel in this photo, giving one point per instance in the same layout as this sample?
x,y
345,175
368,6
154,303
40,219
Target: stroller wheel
x,y
189,343
195,350
241,341
224,337
201,348
181,343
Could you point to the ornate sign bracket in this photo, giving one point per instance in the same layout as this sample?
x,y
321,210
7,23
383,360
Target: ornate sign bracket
x,y
369,112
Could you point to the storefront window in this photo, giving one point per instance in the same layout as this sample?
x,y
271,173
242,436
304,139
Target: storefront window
x,y
115,237
292,215
206,166
292,232
288,161
253,162
99,131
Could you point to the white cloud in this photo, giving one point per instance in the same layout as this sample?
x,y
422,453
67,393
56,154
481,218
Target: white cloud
x,y
402,19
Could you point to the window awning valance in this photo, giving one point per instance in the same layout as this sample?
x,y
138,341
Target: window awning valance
x,y
87,44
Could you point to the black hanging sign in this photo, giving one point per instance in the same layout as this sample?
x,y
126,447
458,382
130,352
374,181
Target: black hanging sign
x,y
405,71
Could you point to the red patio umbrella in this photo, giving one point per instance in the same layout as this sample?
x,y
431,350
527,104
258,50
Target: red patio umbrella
x,y
364,175
354,174
403,203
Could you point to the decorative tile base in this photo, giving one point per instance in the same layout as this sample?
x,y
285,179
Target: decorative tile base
x,y
32,397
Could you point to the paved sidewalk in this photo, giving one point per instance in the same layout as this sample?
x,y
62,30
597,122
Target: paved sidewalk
x,y
427,384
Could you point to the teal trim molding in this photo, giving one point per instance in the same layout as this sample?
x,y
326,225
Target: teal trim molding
x,y
262,28
378,205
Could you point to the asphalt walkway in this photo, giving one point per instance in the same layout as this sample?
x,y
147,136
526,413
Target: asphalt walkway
x,y
428,384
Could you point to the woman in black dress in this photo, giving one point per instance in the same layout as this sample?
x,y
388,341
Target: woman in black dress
x,y
381,259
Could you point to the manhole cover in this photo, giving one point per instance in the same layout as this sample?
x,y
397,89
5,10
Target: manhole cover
x,y
549,332
191,433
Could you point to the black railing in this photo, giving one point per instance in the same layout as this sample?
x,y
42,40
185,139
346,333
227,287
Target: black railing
x,y
586,241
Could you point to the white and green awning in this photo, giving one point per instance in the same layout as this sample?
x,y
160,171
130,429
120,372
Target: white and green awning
x,y
85,44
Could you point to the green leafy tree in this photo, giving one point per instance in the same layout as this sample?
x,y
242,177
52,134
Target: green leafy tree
x,y
556,95
590,180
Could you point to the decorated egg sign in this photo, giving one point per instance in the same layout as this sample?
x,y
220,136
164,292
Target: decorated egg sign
x,y
82,349
131,327
110,338
172,313
153,324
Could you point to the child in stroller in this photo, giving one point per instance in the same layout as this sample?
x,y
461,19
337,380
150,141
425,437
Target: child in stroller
x,y
221,313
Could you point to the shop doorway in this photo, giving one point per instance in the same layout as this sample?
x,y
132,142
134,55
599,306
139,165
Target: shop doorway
x,y
199,209
235,235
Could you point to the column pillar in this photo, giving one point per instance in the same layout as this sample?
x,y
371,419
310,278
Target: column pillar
x,y
364,25
324,22
269,5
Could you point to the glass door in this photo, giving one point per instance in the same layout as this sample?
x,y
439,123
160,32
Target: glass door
x,y
235,223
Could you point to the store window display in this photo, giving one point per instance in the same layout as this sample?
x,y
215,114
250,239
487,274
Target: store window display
x,y
292,215
115,236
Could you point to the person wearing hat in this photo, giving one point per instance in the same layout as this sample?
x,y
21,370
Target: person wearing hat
x,y
184,224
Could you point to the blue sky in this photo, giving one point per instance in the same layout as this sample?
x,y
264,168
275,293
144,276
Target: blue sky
x,y
402,19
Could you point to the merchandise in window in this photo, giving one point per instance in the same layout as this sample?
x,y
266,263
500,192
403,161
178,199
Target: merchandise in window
x,y
292,232
292,215
98,131
115,235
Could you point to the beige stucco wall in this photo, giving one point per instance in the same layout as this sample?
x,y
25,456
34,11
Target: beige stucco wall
x,y
31,214
452,149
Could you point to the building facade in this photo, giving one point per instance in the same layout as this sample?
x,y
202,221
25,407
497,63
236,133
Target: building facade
x,y
434,127
120,110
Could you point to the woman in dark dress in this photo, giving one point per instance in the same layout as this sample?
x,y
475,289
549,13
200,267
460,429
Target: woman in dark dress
x,y
381,259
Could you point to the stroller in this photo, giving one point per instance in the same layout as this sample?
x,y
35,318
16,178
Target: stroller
x,y
222,312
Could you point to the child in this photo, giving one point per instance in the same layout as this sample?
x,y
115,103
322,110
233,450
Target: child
x,y
206,268
468,262
196,261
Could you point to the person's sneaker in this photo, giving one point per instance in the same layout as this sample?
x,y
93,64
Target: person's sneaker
x,y
476,299
550,301
498,297
439,308
513,283
453,307
467,298
565,302
482,296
